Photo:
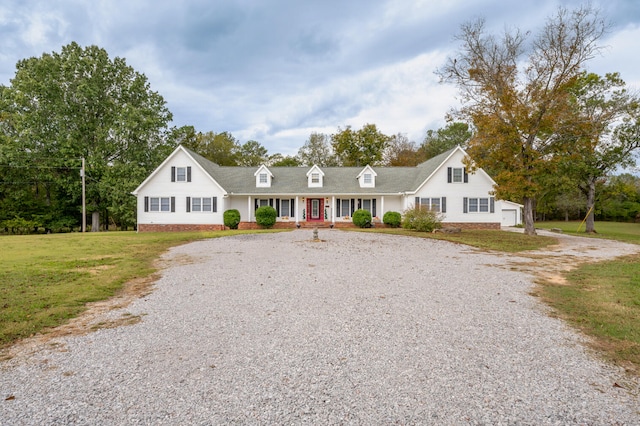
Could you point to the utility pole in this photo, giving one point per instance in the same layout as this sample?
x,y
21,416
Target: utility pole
x,y
84,203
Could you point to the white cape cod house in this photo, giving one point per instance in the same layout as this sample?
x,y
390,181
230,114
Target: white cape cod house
x,y
189,192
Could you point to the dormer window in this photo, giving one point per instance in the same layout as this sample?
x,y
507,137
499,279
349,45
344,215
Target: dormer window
x,y
367,178
263,177
315,177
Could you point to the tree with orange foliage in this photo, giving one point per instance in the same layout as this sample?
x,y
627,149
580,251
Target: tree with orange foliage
x,y
517,96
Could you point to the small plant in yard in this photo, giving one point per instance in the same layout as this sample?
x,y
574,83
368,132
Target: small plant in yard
x,y
231,218
392,219
362,218
266,216
422,219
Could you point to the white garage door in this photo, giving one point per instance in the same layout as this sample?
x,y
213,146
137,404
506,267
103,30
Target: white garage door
x,y
509,218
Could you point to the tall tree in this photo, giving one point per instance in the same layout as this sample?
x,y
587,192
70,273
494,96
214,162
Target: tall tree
x,y
402,152
317,151
279,160
252,154
79,103
441,140
603,135
221,148
359,148
516,95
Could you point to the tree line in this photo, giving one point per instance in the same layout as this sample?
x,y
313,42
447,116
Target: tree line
x,y
79,104
345,147
548,131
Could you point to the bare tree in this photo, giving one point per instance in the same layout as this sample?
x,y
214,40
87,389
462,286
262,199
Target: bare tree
x,y
516,95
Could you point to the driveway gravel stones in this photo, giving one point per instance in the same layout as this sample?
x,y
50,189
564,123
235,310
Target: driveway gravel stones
x,y
356,328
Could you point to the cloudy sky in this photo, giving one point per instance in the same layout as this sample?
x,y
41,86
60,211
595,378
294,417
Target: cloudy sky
x,y
276,70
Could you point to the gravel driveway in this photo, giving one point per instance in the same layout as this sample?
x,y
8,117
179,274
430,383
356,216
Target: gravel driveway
x,y
355,329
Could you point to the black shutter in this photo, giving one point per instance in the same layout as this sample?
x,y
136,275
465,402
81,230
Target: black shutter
x,y
146,204
338,207
188,204
374,207
449,173
271,202
464,204
492,205
353,206
189,174
417,202
278,207
466,175
359,203
292,204
214,205
256,203
173,204
173,174
443,204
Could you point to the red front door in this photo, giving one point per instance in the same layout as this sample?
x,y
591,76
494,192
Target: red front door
x,y
315,209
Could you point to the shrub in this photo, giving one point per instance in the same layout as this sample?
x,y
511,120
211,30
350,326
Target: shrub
x,y
392,219
362,218
266,216
421,219
231,218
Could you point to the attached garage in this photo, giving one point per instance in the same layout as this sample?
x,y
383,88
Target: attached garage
x,y
511,213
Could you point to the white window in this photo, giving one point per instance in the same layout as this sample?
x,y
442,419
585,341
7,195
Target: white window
x,y
284,208
457,174
432,204
345,207
484,205
206,204
159,204
315,177
263,178
181,174
201,204
479,205
366,205
262,203
368,179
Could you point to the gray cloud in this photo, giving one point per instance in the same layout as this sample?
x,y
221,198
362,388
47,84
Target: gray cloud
x,y
275,71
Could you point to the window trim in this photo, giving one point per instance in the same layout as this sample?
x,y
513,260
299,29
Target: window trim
x,y
428,202
451,175
478,207
168,202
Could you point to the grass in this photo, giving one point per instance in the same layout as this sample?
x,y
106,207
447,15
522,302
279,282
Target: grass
x,y
47,279
627,232
603,299
510,242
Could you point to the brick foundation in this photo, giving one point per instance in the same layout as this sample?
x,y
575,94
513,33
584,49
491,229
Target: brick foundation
x,y
142,227
291,225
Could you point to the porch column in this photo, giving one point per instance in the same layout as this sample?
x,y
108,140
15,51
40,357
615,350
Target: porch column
x,y
333,209
296,208
249,209
381,213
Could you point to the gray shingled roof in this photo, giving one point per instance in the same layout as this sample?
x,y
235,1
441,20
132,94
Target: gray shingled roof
x,y
337,180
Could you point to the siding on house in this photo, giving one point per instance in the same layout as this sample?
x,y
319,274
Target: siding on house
x,y
185,176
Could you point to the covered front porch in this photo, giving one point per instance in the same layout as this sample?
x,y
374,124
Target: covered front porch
x,y
313,210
